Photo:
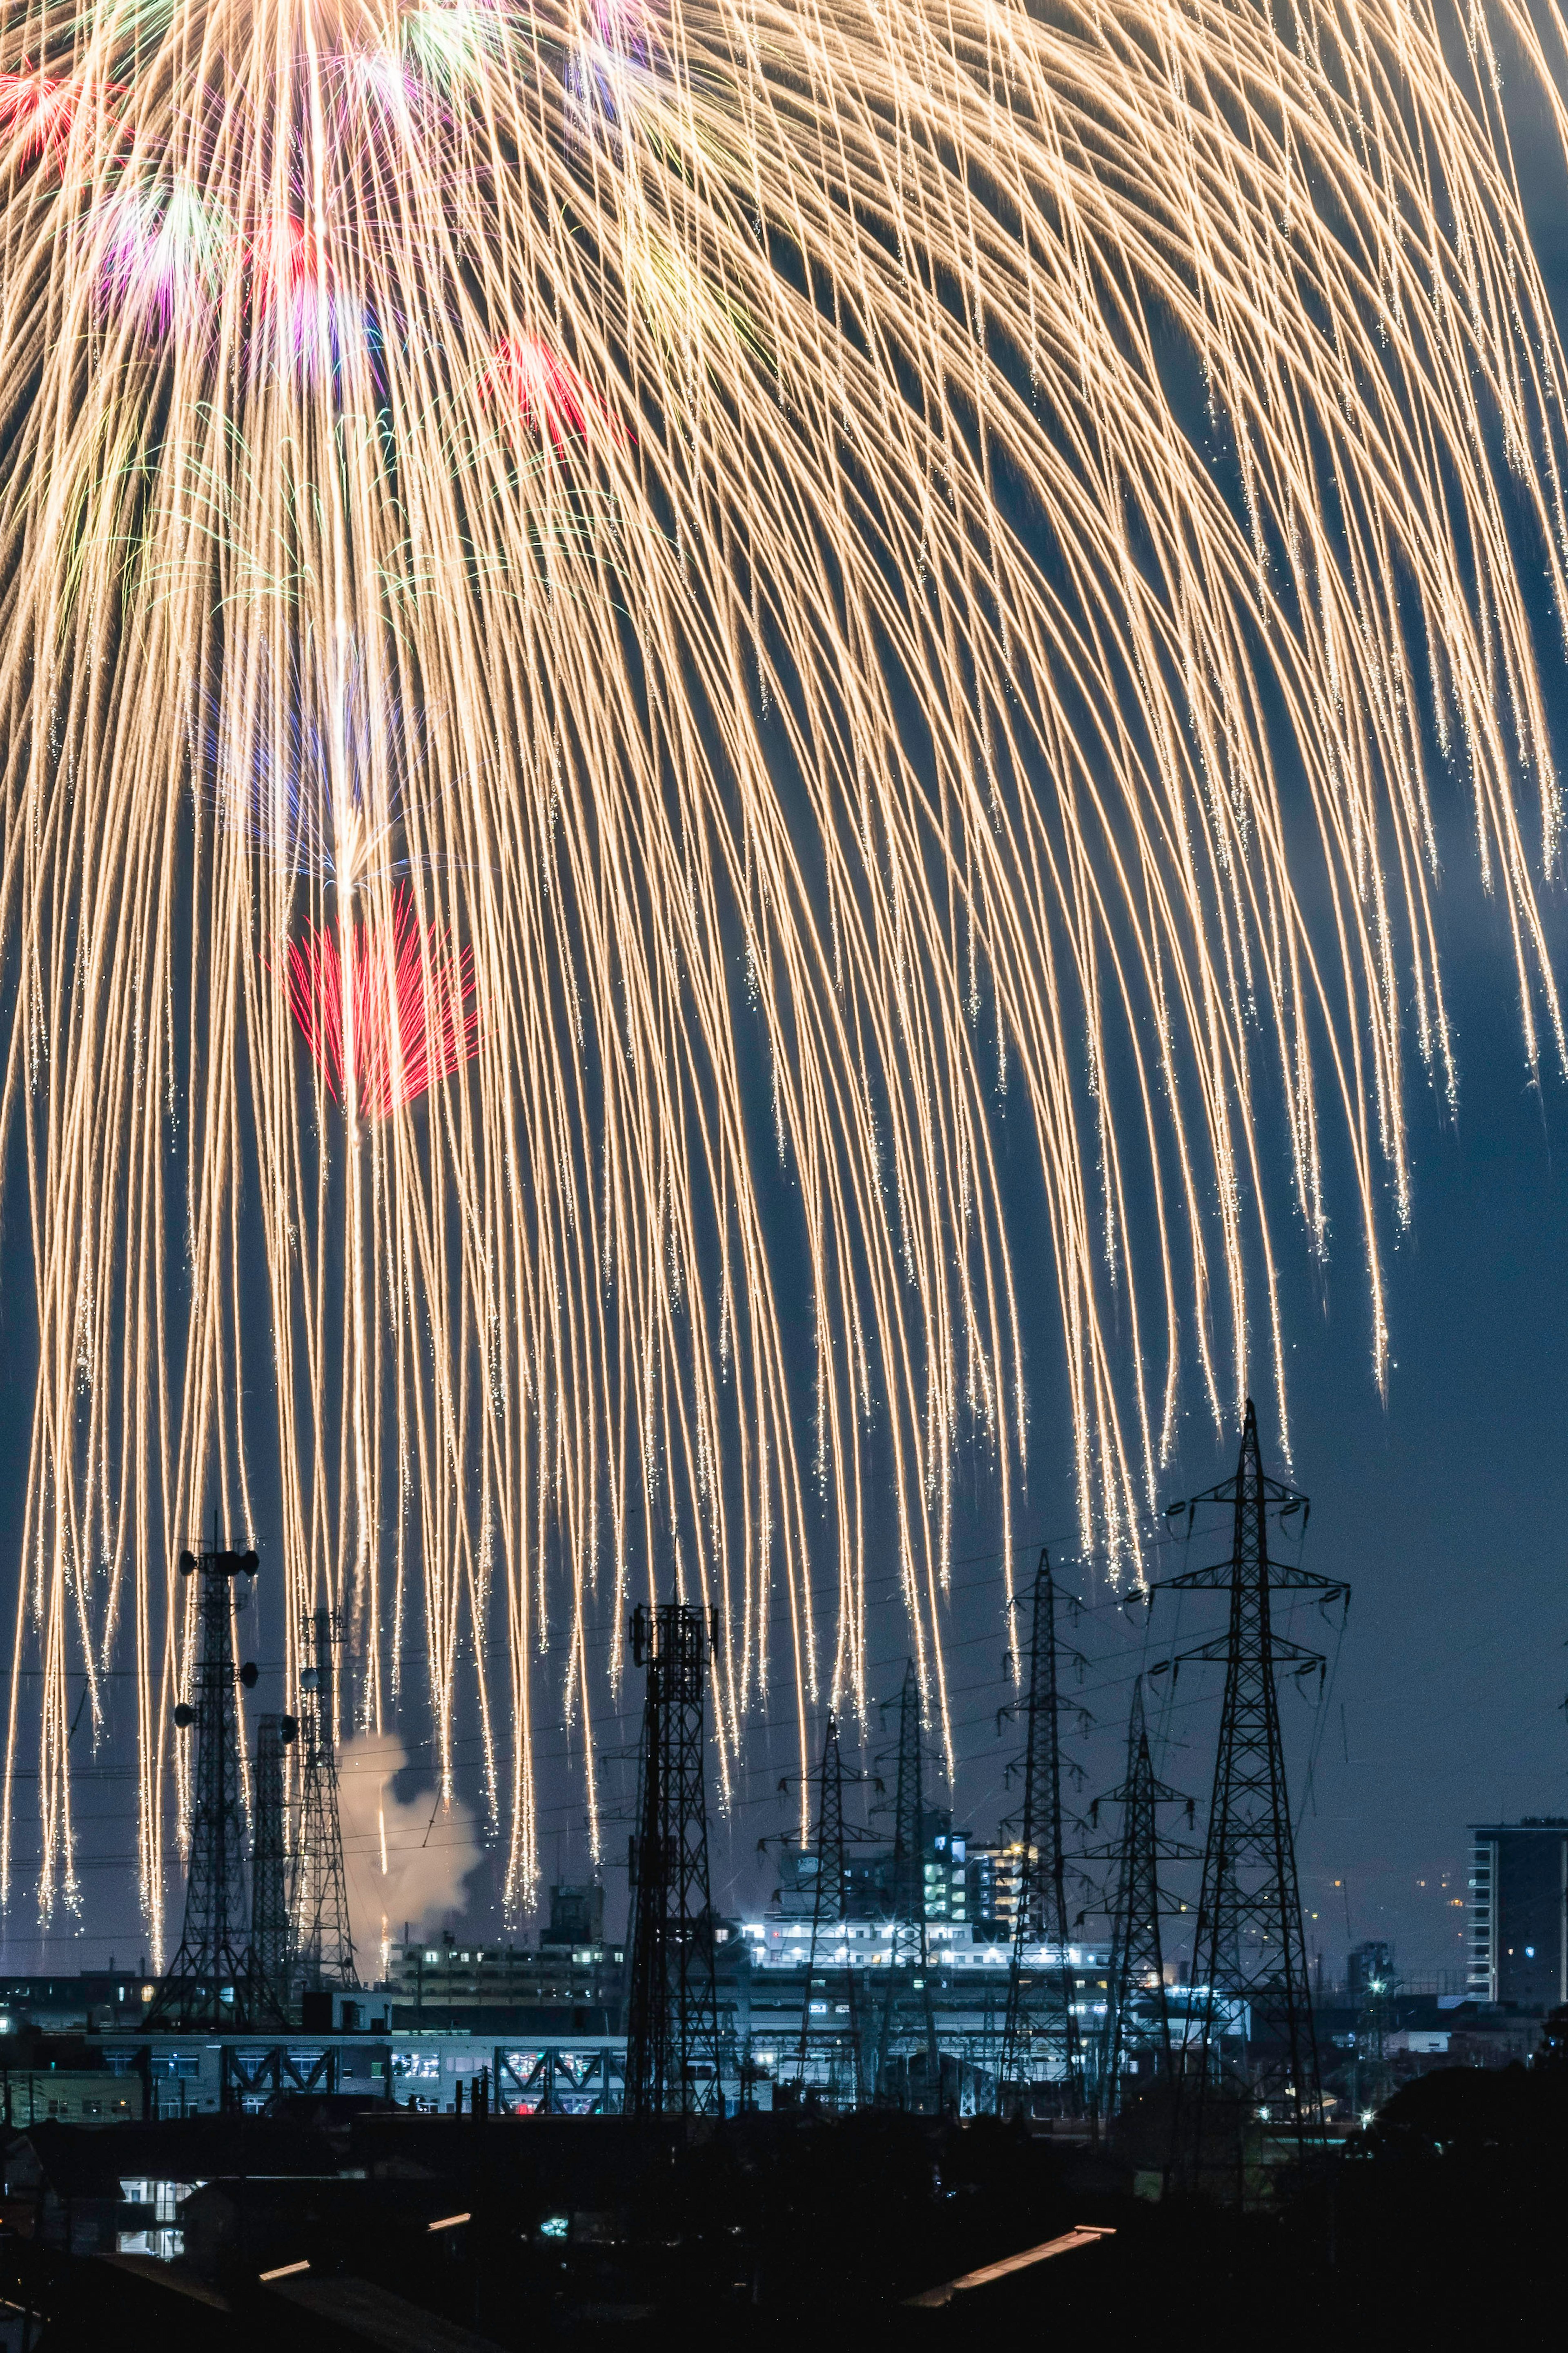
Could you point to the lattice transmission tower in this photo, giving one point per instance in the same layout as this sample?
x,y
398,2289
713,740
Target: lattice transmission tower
x,y
1137,2012
831,2021
672,2007
208,1982
1041,2042
271,1926
908,2025
1249,1955
323,1937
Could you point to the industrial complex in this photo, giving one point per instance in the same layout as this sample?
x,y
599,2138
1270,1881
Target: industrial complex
x,y
923,1982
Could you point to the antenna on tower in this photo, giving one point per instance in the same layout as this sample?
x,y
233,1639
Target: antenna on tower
x,y
271,1941
1249,1956
1040,2038
208,1982
672,2004
1372,2075
909,2016
1137,2014
324,1940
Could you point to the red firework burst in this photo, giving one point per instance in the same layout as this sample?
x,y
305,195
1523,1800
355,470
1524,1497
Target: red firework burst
x,y
544,391
38,110
408,1000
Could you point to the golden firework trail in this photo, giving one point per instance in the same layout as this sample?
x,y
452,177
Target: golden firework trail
x,y
887,563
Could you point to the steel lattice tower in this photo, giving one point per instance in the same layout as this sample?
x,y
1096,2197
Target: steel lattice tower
x,y
672,2008
839,2048
1248,1945
207,1983
909,2017
324,1942
1040,2032
271,1940
1137,2015
1373,2076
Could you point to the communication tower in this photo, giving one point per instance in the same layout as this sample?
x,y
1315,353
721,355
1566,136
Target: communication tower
x,y
1373,2076
672,2008
207,1984
324,1942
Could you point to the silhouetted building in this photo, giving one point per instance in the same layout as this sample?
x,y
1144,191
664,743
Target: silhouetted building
x,y
576,1915
1519,1913
560,1987
1367,1964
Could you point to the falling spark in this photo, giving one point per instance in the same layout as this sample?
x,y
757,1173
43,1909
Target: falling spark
x,y
938,565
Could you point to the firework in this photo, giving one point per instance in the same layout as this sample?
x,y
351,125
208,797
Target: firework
x,y
923,542
542,390
310,769
386,1011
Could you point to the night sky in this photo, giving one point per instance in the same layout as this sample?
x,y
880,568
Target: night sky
x,y
1445,1507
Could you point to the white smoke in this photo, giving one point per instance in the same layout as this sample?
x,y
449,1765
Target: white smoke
x,y
406,1859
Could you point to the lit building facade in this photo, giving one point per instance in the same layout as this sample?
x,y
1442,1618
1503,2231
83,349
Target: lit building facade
x,y
1517,1912
993,1875
574,1989
780,1942
868,1872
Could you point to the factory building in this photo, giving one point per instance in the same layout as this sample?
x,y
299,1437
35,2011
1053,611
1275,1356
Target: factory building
x,y
573,1989
765,1984
570,1983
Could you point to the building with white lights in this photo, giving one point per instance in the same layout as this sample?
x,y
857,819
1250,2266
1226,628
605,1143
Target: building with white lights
x,y
1517,1912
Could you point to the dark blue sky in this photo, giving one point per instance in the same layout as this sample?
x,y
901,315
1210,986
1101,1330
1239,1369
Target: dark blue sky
x,y
1446,1508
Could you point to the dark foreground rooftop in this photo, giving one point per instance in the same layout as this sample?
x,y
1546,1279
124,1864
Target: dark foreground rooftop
x,y
437,2234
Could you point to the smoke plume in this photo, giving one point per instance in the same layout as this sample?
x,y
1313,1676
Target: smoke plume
x,y
406,1857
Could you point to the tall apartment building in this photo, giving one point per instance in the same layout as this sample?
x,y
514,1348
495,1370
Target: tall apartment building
x,y
869,1872
1518,1912
995,1875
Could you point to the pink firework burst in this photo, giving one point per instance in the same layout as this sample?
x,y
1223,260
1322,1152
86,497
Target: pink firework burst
x,y
535,384
403,1017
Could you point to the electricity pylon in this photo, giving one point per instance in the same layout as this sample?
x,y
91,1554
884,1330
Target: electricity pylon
x,y
324,1940
208,1982
1137,2015
1249,1955
909,2014
672,2007
822,2042
1040,2036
